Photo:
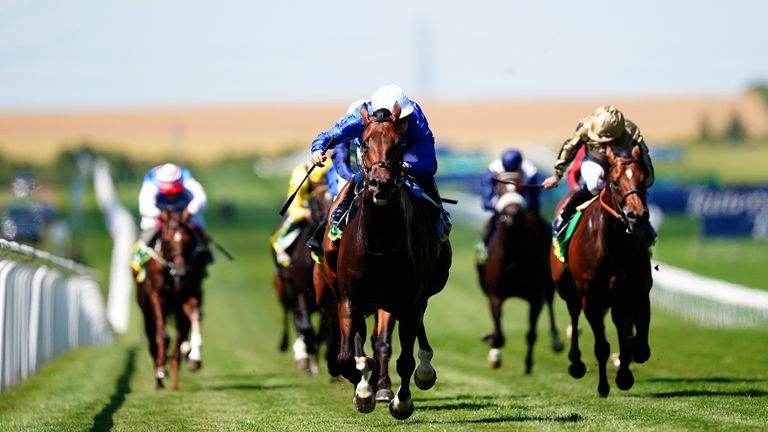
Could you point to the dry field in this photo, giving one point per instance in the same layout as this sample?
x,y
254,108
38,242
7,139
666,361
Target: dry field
x,y
204,134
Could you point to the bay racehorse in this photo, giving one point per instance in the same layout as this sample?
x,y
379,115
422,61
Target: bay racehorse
x,y
517,265
389,258
608,267
173,288
294,286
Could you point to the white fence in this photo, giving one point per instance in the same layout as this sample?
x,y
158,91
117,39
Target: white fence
x,y
47,305
122,228
708,301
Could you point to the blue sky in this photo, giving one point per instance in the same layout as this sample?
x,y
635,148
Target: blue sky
x,y
101,53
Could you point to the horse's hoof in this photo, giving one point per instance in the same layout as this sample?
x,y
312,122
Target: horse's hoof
x,y
494,364
558,345
384,395
364,404
302,363
603,391
313,368
159,384
577,370
195,365
624,379
425,384
407,409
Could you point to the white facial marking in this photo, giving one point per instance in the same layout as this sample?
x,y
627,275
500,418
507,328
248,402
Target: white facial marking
x,y
177,237
629,173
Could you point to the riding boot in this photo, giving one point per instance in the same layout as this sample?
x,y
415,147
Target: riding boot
x,y
440,215
569,209
315,242
339,216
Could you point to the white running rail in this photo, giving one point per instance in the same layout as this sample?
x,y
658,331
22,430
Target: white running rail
x,y
123,229
47,305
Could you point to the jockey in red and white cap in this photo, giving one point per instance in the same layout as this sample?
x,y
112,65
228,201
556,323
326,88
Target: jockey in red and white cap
x,y
170,185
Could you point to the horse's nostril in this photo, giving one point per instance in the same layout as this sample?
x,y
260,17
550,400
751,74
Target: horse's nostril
x,y
373,183
632,216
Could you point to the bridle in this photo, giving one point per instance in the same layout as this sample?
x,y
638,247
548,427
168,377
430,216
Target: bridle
x,y
395,169
168,261
620,200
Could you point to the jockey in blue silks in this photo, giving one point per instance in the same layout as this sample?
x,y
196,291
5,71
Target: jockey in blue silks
x,y
511,167
419,160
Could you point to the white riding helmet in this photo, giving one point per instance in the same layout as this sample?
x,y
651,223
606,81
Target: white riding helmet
x,y
169,179
386,96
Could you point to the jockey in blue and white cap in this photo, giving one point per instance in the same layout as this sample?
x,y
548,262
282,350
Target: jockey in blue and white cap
x,y
170,185
419,159
512,164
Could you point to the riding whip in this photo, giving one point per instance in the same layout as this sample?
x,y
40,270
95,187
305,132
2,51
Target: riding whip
x,y
293,195
221,248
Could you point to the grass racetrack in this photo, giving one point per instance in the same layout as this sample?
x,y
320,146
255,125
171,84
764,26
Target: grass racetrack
x,y
696,379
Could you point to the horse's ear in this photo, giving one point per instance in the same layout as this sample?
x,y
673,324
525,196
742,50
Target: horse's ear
x,y
636,152
395,113
364,114
609,153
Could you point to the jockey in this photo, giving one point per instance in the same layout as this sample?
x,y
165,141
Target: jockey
x,y
511,166
419,160
298,212
606,126
169,186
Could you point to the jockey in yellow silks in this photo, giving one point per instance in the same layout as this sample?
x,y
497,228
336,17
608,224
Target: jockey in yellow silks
x,y
298,212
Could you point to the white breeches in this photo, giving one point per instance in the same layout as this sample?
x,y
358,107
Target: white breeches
x,y
593,175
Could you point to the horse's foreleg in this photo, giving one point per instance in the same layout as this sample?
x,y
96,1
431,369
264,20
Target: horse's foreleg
x,y
401,407
182,331
530,337
381,342
576,369
623,323
364,399
344,359
161,339
641,349
305,347
549,293
192,312
602,347
425,375
495,339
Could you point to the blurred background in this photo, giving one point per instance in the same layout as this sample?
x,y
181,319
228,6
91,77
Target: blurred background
x,y
245,83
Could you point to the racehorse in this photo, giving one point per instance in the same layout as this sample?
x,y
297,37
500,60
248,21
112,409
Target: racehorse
x,y
608,266
294,286
517,266
173,287
389,258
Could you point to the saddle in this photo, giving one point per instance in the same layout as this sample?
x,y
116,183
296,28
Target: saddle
x,y
560,243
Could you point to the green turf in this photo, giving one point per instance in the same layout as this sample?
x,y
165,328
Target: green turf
x,y
697,378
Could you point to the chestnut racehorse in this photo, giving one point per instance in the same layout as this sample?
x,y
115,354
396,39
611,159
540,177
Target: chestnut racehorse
x,y
517,266
608,267
389,258
173,287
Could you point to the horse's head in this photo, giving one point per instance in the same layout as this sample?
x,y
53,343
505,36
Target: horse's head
x,y
625,180
320,202
381,152
177,242
511,207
